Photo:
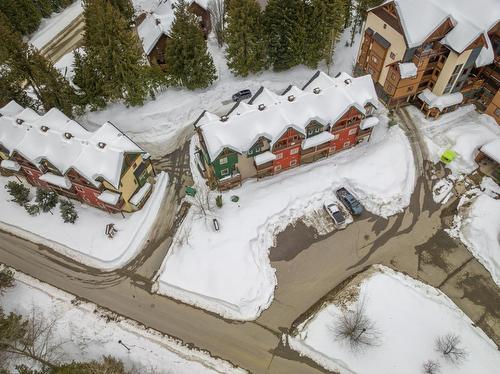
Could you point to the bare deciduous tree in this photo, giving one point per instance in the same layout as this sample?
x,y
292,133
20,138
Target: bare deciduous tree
x,y
217,10
431,367
449,346
355,329
34,339
201,203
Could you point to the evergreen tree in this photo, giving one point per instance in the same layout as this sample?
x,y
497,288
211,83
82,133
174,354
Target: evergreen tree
x,y
6,280
284,22
246,51
360,12
46,199
112,67
18,191
126,9
68,211
25,63
22,14
187,59
109,365
32,209
337,11
11,88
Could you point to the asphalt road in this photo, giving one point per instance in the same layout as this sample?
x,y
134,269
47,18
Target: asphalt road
x,y
307,267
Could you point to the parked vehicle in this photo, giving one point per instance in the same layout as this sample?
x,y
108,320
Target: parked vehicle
x,y
242,95
216,224
350,202
334,211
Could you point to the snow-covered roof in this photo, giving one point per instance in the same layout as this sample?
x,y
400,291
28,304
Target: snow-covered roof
x,y
264,157
159,21
65,143
56,180
269,115
109,197
492,150
139,195
369,122
407,70
440,102
487,54
420,18
10,165
316,140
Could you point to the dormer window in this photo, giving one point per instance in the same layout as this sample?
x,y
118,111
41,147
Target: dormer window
x,y
101,145
291,98
317,90
261,107
19,121
67,135
44,128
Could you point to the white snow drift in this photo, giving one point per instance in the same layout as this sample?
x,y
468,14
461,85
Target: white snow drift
x,y
88,333
408,316
228,272
85,241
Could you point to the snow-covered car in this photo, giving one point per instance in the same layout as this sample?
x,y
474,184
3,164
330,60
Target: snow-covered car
x,y
350,202
335,213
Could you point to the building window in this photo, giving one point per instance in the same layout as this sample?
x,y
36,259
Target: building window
x,y
497,112
294,151
352,131
277,168
336,136
279,156
374,59
223,161
293,163
224,172
410,89
385,26
392,55
347,144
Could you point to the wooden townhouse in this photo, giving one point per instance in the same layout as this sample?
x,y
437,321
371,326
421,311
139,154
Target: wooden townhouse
x,y
272,133
104,169
153,27
429,51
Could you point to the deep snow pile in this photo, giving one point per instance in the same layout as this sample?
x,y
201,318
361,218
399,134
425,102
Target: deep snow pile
x,y
88,333
463,131
159,125
477,225
85,241
228,272
408,316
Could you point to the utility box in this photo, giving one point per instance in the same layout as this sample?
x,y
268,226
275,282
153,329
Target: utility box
x,y
448,156
190,191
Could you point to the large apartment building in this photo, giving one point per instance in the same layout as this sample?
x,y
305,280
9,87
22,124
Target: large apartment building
x,y
104,169
438,53
273,132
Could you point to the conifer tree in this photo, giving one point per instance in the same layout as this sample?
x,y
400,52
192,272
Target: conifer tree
x,y
19,192
188,62
68,211
22,14
113,67
246,51
125,7
285,27
27,64
337,11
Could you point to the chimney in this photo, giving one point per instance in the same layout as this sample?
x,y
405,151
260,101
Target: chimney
x,y
261,107
67,135
19,121
317,90
291,98
44,128
348,81
224,118
101,145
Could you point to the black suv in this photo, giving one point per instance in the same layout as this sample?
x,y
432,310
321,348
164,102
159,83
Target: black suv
x,y
350,202
242,95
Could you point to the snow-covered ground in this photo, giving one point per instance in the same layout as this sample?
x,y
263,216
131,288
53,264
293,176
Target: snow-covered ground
x,y
463,131
228,272
408,316
477,225
159,123
85,241
89,333
50,27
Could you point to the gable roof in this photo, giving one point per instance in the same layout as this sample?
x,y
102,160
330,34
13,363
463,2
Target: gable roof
x,y
94,155
246,123
471,19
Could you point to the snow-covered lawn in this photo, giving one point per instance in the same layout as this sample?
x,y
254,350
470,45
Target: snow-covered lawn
x,y
50,27
477,225
463,131
158,124
85,241
228,272
89,333
408,316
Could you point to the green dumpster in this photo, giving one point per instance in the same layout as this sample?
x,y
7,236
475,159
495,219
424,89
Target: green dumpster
x,y
448,156
190,191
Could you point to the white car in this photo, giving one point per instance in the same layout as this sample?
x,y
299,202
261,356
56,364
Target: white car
x,y
335,213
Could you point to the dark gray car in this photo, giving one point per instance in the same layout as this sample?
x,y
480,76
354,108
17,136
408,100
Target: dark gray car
x,y
350,202
242,95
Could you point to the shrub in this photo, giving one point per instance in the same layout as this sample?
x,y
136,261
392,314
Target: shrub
x,y
68,211
218,201
32,209
46,199
18,191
